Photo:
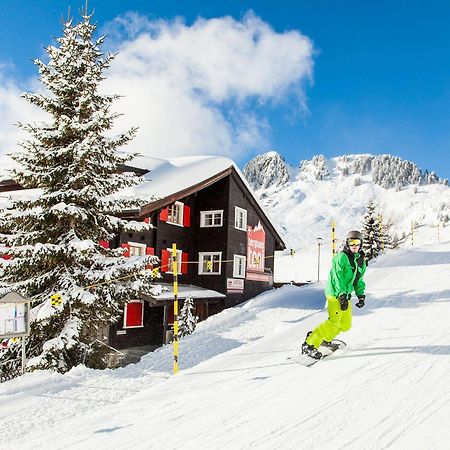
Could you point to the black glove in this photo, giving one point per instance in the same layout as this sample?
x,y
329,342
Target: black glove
x,y
343,300
362,301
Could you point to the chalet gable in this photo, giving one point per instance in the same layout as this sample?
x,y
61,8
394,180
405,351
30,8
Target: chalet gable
x,y
231,171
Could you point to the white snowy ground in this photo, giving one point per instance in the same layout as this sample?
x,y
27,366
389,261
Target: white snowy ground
x,y
237,389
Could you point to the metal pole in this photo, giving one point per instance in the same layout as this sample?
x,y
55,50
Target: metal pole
x,y
318,263
333,239
319,244
175,308
23,354
165,320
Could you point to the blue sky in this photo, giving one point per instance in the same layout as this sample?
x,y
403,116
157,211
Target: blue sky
x,y
379,80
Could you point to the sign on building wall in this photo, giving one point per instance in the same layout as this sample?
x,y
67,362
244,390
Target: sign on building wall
x,y
256,276
235,286
256,249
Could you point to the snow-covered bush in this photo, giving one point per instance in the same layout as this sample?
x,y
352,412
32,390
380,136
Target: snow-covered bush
x,y
187,321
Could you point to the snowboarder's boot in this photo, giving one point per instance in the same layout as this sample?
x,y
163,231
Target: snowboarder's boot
x,y
333,346
311,351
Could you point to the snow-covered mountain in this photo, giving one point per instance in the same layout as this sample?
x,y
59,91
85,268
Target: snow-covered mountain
x,y
303,201
267,170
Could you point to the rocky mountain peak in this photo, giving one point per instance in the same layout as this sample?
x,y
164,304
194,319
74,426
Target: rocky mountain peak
x,y
269,169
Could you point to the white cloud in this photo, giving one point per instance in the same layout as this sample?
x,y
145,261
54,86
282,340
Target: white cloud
x,y
13,109
198,89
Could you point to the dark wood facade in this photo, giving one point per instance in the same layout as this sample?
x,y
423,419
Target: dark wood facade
x,y
223,192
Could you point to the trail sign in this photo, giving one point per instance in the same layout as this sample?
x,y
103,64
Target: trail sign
x,y
14,315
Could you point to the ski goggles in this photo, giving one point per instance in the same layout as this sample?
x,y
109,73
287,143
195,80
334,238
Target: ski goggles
x,y
353,242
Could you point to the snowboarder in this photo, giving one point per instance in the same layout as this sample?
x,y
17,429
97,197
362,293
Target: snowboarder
x,y
346,275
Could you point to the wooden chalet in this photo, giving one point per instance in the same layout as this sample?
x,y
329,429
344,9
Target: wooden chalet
x,y
225,244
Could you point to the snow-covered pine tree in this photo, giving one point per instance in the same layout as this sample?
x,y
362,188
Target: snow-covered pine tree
x,y
187,320
371,233
390,239
54,240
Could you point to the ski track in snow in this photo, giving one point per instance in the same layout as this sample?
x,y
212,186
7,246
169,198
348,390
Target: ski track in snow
x,y
237,389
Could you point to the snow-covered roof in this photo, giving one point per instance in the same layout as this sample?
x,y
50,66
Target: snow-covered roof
x,y
166,177
185,291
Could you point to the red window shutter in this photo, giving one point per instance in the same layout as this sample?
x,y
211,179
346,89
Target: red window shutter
x,y
187,216
104,244
149,251
184,264
164,260
133,315
164,214
127,249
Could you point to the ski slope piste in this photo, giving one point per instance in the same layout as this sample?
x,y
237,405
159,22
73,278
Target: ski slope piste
x,y
237,389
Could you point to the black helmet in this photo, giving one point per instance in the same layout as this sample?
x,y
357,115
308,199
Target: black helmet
x,y
354,234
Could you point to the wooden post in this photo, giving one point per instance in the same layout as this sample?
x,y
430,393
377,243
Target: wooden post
x,y
165,320
175,308
23,354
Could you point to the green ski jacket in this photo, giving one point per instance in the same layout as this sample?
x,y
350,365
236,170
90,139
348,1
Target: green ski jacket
x,y
346,274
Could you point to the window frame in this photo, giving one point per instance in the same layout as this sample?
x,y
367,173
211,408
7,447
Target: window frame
x,y
237,212
136,245
236,273
201,261
125,315
179,261
180,207
203,215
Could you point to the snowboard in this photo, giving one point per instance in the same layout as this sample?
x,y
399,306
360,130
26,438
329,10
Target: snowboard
x,y
307,361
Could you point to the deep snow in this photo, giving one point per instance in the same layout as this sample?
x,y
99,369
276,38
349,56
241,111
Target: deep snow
x,y
237,389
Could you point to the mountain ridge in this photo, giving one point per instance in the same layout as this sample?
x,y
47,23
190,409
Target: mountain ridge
x,y
389,171
413,204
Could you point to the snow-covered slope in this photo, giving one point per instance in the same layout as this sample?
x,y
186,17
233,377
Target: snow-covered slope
x,y
237,387
340,189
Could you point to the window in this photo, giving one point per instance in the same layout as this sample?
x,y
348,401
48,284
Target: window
x,y
240,218
137,249
209,263
170,262
175,213
211,218
133,316
239,266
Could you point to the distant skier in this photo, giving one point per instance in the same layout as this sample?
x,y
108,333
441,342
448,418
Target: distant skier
x,y
346,275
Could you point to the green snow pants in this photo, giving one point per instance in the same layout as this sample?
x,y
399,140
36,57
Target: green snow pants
x,y
337,321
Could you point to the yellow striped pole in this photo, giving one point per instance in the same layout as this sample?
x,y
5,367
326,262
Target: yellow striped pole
x,y
412,232
175,308
333,239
